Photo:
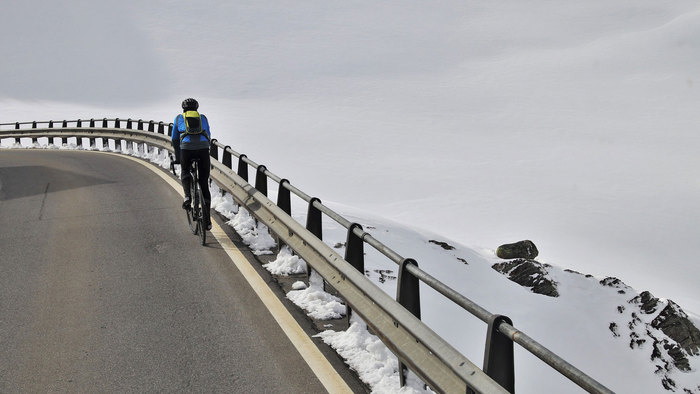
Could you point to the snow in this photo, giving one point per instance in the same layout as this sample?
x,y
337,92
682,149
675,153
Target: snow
x,y
286,263
367,355
573,124
319,304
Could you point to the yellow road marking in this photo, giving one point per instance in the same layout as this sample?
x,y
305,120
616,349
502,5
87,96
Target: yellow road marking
x,y
318,363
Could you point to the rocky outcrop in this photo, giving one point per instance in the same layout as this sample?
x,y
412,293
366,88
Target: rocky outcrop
x,y
663,325
529,273
646,302
442,244
675,323
615,283
519,250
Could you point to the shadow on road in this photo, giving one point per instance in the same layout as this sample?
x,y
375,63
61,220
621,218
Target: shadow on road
x,y
26,181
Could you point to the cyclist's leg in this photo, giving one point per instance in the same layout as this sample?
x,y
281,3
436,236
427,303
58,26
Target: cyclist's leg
x,y
185,163
204,166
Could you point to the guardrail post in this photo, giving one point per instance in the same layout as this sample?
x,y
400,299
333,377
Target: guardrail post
x,y
78,140
226,160
170,130
313,224
51,127
17,128
242,168
140,125
161,127
408,292
284,201
128,124
498,357
261,180
151,126
355,249
355,255
313,219
117,123
92,140
34,139
408,295
104,123
64,140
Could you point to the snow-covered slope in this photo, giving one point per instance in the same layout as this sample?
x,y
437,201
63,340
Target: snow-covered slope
x,y
614,333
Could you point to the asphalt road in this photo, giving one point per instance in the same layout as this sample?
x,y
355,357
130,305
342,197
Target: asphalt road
x,y
103,288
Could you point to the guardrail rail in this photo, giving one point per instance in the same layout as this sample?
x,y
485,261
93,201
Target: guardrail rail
x,y
395,321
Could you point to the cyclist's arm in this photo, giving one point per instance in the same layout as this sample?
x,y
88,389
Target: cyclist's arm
x,y
176,139
205,126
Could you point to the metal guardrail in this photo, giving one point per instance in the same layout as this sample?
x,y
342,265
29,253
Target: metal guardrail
x,y
396,322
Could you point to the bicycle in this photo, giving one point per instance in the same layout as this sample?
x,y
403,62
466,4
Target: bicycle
x,y
195,213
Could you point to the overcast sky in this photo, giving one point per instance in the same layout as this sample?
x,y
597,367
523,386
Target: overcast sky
x,y
78,51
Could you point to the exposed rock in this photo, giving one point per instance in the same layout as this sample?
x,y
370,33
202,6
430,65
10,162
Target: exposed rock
x,y
678,355
664,325
519,250
613,328
675,323
529,273
647,302
668,384
672,321
615,283
385,275
443,245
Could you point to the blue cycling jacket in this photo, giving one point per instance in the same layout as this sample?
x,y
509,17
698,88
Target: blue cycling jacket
x,y
190,142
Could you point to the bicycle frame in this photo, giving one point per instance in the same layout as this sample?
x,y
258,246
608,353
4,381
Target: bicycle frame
x,y
195,214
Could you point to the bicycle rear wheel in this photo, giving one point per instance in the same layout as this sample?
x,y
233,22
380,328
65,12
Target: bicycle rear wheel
x,y
200,217
193,213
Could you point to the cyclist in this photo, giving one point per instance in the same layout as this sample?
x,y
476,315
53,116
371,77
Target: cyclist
x,y
191,138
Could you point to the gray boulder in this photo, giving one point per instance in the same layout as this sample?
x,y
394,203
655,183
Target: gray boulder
x,y
519,250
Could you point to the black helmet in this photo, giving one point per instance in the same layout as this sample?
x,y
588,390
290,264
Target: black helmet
x,y
190,104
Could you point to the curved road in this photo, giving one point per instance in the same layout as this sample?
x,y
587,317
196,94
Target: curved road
x,y
103,288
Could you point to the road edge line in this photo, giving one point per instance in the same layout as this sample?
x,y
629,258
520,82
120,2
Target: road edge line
x,y
308,350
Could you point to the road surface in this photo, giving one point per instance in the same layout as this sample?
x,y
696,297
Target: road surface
x,y
103,288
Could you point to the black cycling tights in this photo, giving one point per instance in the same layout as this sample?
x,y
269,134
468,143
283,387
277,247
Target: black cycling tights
x,y
186,157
